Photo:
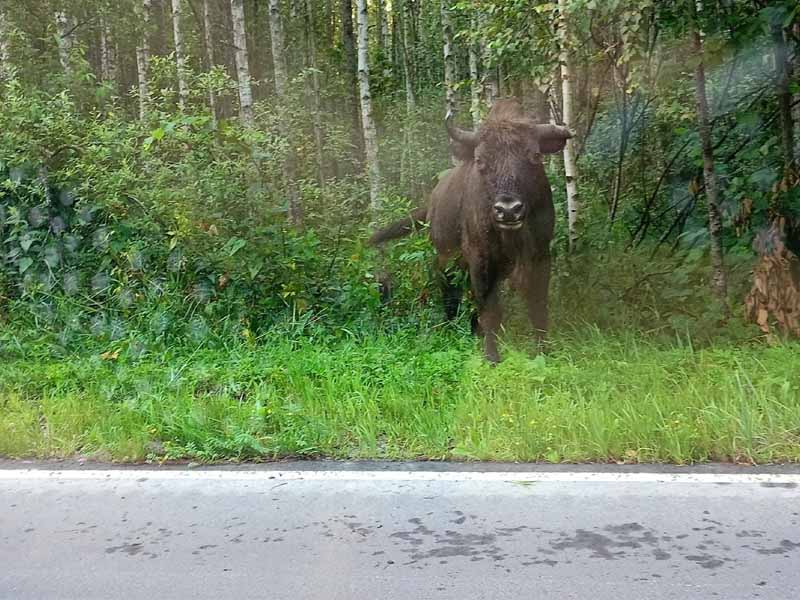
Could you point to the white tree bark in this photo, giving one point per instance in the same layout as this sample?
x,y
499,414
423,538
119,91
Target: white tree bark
x,y
108,54
5,54
449,59
314,89
180,54
242,64
382,26
570,170
64,38
281,72
368,124
208,40
476,90
278,49
490,86
408,60
143,60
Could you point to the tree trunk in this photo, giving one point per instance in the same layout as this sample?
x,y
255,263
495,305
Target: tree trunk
x,y
409,66
476,90
449,59
382,26
208,39
5,55
370,135
280,70
143,60
64,37
783,71
796,96
489,84
314,89
180,55
570,170
108,58
349,48
242,64
719,278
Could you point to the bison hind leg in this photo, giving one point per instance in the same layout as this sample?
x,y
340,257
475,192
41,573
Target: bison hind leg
x,y
452,293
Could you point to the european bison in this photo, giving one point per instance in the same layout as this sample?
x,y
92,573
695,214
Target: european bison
x,y
494,214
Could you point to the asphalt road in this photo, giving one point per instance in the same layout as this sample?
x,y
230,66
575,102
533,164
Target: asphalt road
x,y
397,534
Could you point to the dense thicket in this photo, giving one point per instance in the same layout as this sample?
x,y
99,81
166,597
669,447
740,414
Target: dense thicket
x,y
179,166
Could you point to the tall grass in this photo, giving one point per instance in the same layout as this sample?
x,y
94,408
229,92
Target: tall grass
x,y
593,397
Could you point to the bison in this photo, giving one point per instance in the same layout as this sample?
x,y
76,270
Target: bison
x,y
493,214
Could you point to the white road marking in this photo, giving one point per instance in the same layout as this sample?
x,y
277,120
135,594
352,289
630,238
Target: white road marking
x,y
392,476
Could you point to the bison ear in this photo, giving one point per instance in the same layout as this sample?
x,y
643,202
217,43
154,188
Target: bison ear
x,y
551,138
462,142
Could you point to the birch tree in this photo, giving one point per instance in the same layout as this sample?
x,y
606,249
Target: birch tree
x,y
64,33
5,54
242,59
208,40
409,69
449,59
108,55
313,89
490,85
368,124
719,277
351,81
570,170
143,59
180,54
281,73
475,80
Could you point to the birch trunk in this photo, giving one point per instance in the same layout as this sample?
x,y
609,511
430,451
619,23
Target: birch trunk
x,y
349,47
408,60
242,60
64,35
143,60
491,88
180,54
475,81
282,90
5,55
381,25
370,135
108,58
314,89
208,40
719,277
449,59
570,171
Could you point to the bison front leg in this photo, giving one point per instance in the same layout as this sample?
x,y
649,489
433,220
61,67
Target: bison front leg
x,y
487,298
535,287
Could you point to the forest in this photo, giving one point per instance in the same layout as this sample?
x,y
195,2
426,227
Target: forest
x,y
187,190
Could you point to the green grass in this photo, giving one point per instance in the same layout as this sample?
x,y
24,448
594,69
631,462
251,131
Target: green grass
x,y
593,397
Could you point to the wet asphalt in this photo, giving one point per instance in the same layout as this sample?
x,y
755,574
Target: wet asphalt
x,y
145,537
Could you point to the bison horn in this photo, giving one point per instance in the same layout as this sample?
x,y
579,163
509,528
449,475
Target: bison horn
x,y
553,132
459,135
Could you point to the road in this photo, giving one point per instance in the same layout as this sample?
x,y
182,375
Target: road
x,y
397,532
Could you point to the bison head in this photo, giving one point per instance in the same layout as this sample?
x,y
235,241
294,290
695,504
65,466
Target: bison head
x,y
507,153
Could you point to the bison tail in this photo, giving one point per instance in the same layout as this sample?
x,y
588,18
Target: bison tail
x,y
400,228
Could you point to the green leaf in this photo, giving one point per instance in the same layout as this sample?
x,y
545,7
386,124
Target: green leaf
x,y
157,134
24,264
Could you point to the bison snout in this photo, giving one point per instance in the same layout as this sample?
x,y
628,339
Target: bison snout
x,y
508,212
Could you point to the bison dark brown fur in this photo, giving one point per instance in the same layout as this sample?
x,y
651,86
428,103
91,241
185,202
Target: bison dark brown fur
x,y
494,215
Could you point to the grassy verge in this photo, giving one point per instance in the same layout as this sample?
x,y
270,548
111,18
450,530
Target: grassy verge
x,y
593,398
